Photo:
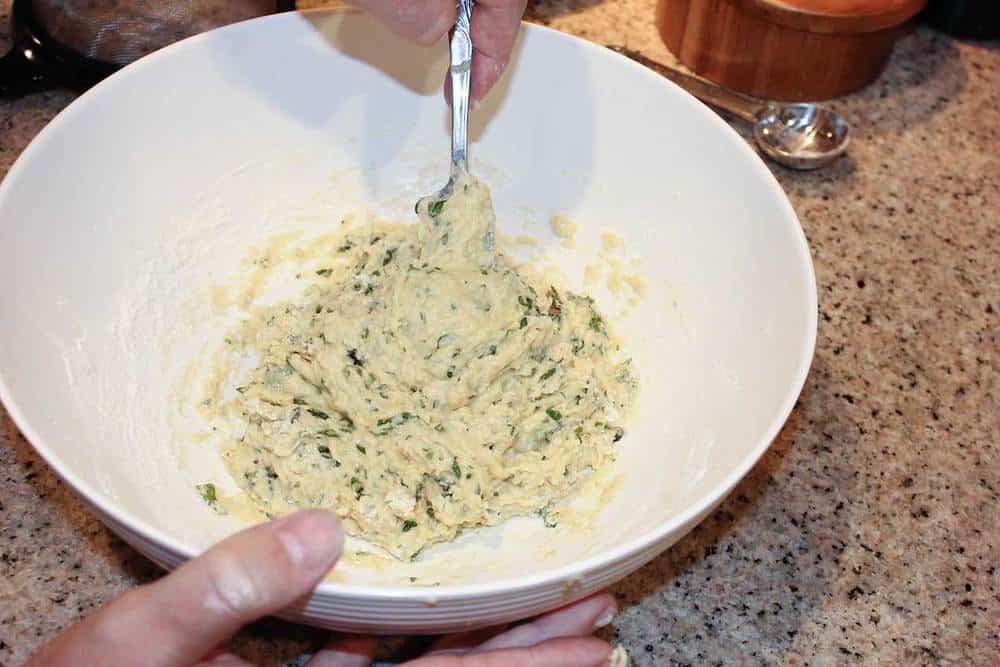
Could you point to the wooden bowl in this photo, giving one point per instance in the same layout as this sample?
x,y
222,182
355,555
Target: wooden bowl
x,y
785,49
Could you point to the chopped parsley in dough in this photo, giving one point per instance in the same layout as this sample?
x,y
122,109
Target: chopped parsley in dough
x,y
422,387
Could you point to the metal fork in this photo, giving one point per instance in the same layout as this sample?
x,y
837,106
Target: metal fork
x,y
460,74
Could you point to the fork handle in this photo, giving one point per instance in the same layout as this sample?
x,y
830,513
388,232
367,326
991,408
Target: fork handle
x,y
461,83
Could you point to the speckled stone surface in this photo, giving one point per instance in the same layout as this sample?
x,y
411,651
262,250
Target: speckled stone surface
x,y
869,532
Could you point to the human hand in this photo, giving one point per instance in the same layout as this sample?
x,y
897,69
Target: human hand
x,y
183,618
494,29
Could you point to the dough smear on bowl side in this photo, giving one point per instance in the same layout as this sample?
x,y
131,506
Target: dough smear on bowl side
x,y
422,386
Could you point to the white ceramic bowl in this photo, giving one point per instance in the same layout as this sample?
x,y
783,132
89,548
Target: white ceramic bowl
x,y
152,186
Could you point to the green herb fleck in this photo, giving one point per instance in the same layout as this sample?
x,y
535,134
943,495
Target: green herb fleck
x,y
389,254
435,208
579,433
547,374
207,492
361,449
318,414
386,424
455,469
553,414
596,323
324,451
242,390
324,272
409,525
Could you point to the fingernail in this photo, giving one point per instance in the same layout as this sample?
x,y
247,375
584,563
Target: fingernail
x,y
606,618
619,658
312,539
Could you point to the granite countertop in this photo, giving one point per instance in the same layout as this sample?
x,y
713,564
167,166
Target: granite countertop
x,y
869,531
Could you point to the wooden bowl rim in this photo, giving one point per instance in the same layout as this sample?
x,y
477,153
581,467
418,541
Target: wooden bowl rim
x,y
801,18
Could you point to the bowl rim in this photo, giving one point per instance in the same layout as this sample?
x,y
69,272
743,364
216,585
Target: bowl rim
x,y
685,519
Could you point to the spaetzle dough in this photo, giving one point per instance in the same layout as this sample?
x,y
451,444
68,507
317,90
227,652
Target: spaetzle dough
x,y
424,387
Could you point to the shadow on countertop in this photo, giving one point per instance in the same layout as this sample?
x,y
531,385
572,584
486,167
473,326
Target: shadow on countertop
x,y
45,484
540,10
924,77
766,558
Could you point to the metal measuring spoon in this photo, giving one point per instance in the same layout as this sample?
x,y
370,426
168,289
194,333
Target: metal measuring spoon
x,y
797,135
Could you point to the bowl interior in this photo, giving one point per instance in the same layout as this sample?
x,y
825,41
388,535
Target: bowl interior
x,y
153,187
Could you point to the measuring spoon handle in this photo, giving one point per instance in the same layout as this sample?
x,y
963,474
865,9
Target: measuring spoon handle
x,y
741,105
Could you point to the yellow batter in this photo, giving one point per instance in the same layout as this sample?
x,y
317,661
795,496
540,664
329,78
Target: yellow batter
x,y
424,387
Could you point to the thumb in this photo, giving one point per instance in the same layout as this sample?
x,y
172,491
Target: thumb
x,y
181,617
